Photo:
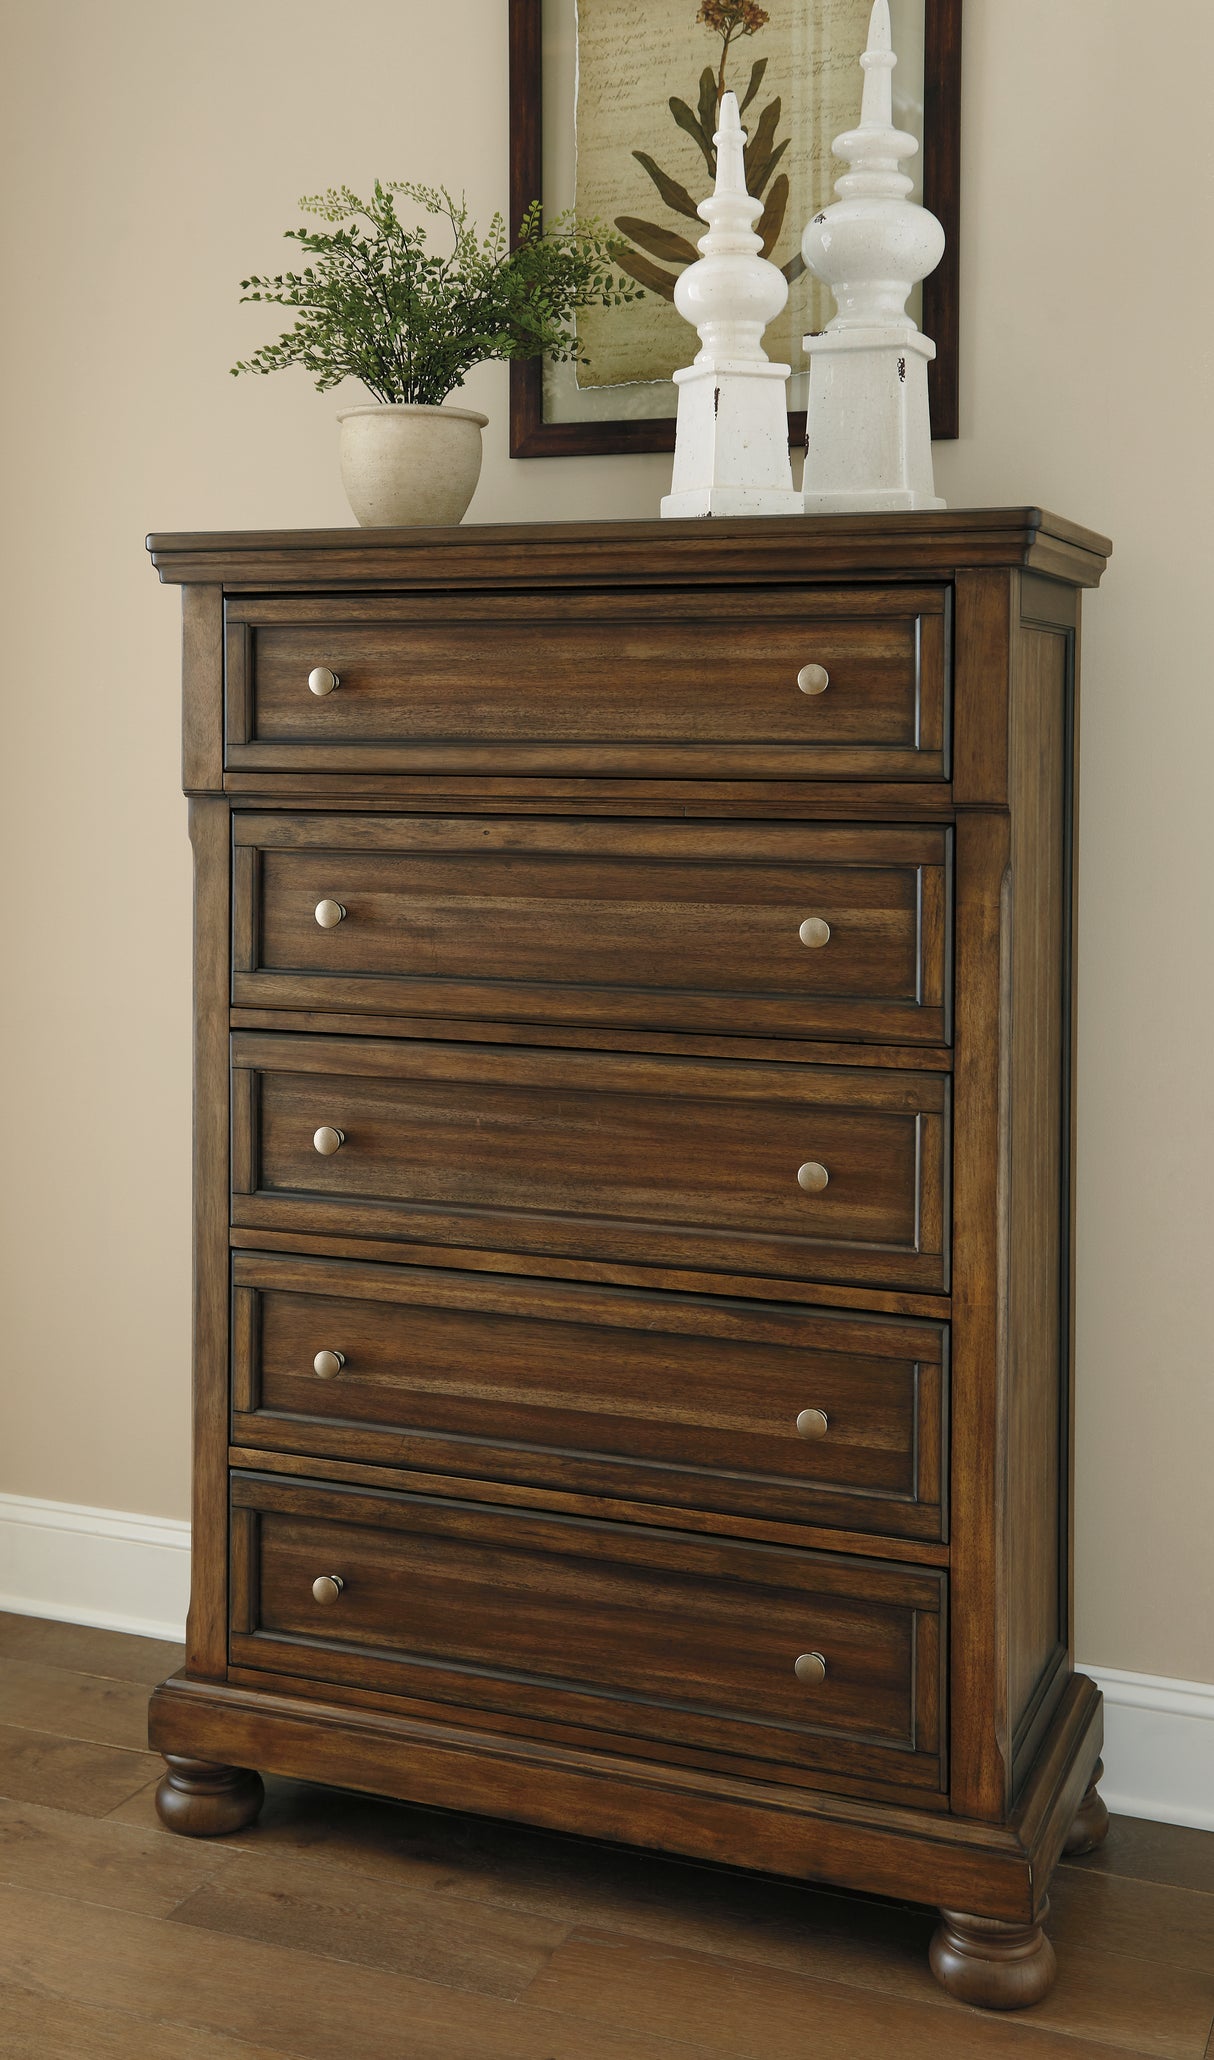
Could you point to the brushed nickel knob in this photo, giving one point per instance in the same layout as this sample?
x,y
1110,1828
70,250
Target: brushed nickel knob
x,y
813,931
329,914
810,1668
327,1366
811,1423
812,1177
327,1588
813,679
327,1140
322,680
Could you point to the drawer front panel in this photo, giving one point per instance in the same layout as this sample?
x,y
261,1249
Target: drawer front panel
x,y
589,683
657,1160
756,1410
675,926
615,1628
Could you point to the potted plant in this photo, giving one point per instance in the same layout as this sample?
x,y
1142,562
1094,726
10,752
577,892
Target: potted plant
x,y
378,305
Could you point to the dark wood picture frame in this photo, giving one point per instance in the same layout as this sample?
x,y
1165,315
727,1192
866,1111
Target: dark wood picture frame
x,y
532,437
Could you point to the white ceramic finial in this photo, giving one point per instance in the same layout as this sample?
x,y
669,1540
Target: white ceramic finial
x,y
731,293
868,441
731,442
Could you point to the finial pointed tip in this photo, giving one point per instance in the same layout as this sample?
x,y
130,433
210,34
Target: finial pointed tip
x,y
880,34
729,138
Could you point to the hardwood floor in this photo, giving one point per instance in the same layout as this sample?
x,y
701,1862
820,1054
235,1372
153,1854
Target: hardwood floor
x,y
345,1929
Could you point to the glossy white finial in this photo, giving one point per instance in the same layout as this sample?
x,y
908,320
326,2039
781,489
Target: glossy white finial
x,y
731,442
731,293
874,244
868,442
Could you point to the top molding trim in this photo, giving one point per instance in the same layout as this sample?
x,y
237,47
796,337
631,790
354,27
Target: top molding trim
x,y
757,550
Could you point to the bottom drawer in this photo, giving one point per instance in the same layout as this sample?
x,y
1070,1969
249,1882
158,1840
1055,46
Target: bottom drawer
x,y
656,1636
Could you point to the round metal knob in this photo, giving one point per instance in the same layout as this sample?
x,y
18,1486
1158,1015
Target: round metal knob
x,y
812,1177
321,680
810,1668
329,914
813,931
327,1140
813,679
327,1588
811,1424
327,1366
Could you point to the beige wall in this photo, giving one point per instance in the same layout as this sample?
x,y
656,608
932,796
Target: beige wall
x,y
152,154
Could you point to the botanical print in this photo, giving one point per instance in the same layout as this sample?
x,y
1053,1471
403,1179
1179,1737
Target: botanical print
x,y
645,155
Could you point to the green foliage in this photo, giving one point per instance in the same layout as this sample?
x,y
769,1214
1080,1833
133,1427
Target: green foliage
x,y
378,305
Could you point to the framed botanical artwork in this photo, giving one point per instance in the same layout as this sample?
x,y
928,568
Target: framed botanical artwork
x,y
612,111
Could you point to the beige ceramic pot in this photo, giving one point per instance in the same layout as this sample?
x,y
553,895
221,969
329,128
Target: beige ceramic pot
x,y
403,465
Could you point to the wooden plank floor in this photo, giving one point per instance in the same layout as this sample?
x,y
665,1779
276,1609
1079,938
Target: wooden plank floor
x,y
345,1929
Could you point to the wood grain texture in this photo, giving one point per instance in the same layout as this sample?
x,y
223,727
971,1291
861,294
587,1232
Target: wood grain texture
x,y
202,671
288,1900
70,1773
653,1398
751,2014
336,1881
113,1655
479,1259
800,1831
310,2008
688,1640
561,1502
764,550
637,683
40,2027
663,925
126,1867
37,1697
598,1156
206,1630
905,1058
1038,1231
571,802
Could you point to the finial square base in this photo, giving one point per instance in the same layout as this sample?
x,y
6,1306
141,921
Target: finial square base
x,y
868,444
731,443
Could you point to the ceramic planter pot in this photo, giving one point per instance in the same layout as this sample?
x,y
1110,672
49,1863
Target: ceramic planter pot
x,y
403,465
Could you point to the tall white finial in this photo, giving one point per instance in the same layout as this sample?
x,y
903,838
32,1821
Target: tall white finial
x,y
731,442
868,442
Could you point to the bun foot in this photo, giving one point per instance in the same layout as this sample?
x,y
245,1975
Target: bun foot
x,y
1091,1825
994,1966
201,1800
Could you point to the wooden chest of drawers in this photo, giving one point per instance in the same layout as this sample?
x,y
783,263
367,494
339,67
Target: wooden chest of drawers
x,y
633,1193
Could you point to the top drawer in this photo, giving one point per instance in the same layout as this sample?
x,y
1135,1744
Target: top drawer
x,y
716,685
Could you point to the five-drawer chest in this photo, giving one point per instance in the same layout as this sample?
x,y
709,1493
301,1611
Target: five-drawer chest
x,y
633,1177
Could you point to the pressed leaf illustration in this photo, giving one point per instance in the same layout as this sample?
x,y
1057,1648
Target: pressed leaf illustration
x,y
660,243
676,197
730,20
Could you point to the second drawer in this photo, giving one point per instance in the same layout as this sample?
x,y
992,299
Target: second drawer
x,y
754,1409
777,929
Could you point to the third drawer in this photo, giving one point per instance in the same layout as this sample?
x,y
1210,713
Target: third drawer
x,y
809,1173
682,1401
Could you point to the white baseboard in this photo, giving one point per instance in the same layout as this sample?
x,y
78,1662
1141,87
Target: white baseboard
x,y
132,1573
1158,1747
94,1566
